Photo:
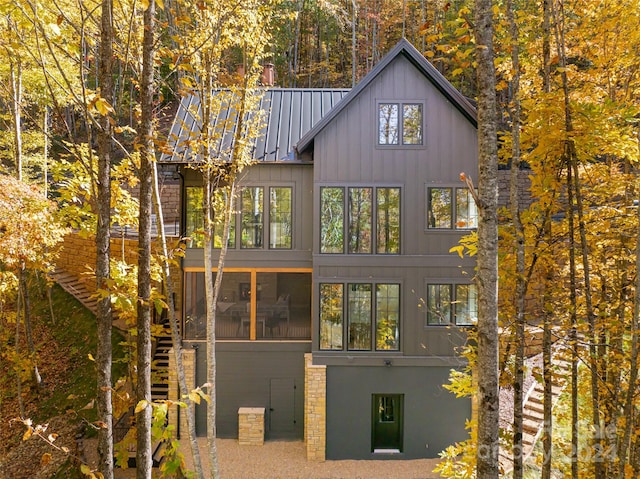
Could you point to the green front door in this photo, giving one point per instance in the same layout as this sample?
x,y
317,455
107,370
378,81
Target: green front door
x,y
387,422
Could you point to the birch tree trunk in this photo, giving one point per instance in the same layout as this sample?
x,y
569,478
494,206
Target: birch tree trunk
x,y
176,337
144,459
103,252
487,272
521,286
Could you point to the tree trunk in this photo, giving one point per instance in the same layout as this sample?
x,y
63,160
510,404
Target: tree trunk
x,y
547,372
144,459
176,337
103,253
15,70
211,325
520,287
35,375
487,271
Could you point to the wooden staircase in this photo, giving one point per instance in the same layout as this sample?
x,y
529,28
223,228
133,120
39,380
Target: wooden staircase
x,y
76,288
533,407
160,362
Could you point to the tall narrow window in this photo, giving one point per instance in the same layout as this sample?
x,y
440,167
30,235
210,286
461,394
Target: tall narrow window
x,y
221,204
331,320
466,305
412,124
439,213
252,210
359,315
280,216
439,304
194,227
387,317
388,124
388,220
360,221
466,209
331,220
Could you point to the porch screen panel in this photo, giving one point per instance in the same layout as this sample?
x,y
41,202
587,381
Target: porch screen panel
x,y
280,218
331,220
359,315
387,317
195,320
252,217
360,220
331,316
388,220
283,309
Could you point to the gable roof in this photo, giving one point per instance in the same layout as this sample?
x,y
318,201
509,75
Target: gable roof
x,y
403,47
289,114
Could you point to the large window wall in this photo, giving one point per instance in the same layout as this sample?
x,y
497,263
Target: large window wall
x,y
264,217
254,304
360,220
359,316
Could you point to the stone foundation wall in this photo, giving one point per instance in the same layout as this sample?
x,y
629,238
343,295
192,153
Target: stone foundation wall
x,y
315,409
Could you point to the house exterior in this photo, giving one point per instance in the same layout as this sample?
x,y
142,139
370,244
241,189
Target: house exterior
x,y
342,308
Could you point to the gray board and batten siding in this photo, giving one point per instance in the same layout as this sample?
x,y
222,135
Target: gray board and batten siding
x,y
255,374
345,153
433,417
289,114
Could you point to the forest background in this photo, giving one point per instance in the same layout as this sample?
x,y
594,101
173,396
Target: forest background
x,y
75,90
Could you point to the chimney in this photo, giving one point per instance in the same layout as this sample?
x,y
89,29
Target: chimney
x,y
268,74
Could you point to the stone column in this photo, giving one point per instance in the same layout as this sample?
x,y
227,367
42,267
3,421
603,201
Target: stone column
x,y
315,409
189,363
251,426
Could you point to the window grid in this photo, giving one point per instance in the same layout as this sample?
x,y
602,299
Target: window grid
x,y
400,123
451,304
450,208
370,219
356,313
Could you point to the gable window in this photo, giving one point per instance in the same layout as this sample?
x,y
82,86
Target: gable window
x,y
452,304
400,124
368,322
370,219
449,207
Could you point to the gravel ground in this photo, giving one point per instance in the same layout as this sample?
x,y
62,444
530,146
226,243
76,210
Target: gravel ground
x,y
286,460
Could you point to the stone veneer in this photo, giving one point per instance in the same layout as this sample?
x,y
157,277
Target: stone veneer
x,y
251,426
189,363
315,409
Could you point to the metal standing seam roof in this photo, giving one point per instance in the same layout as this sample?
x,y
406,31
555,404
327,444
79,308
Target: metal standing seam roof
x,y
289,114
